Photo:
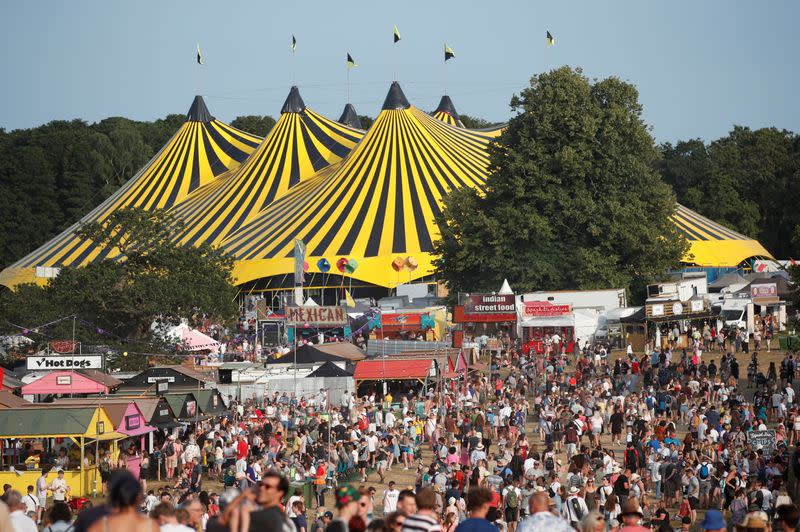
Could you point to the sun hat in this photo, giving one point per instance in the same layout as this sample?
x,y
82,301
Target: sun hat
x,y
713,520
631,508
573,490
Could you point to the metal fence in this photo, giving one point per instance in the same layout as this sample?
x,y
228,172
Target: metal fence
x,y
390,347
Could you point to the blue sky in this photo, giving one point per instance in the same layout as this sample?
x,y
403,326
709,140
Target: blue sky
x,y
701,66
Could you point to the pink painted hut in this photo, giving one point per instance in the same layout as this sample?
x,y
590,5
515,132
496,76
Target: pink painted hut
x,y
72,382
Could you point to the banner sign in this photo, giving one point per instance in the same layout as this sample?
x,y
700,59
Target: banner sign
x,y
65,362
489,303
763,290
762,439
64,380
132,422
542,309
319,316
64,346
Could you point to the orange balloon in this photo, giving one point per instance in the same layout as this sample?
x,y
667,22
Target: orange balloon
x,y
398,263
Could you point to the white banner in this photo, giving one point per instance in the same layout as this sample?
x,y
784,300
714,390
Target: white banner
x,y
65,362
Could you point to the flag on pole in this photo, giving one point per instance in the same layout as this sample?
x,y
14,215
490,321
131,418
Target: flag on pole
x,y
351,62
448,52
294,44
299,270
396,33
550,39
349,299
199,55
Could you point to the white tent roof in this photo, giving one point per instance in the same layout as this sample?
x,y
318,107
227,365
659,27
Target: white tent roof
x,y
506,288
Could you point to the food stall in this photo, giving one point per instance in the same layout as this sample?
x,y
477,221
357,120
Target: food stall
x,y
540,321
308,323
32,438
493,316
72,382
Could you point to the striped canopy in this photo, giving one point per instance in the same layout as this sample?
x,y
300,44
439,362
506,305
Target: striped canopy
x,y
446,112
202,149
301,144
712,244
378,204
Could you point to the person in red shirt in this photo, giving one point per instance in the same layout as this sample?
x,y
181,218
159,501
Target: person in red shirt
x,y
242,448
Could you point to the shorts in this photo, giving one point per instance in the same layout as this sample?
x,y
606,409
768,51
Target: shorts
x,y
694,502
511,515
705,487
362,464
383,464
43,502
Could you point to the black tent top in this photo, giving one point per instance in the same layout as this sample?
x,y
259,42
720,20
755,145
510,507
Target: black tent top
x,y
198,112
350,117
395,99
306,354
294,103
446,106
329,369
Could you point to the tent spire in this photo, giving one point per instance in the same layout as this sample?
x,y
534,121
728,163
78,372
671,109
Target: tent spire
x,y
446,106
350,117
198,112
395,99
294,103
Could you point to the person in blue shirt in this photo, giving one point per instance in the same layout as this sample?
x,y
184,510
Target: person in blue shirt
x,y
478,501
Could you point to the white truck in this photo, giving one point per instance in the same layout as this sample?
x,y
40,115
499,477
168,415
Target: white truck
x,y
735,312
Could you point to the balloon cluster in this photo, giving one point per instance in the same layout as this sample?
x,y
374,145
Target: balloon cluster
x,y
409,263
343,265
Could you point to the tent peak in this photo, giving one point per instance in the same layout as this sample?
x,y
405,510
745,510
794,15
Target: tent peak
x,y
294,103
446,106
350,117
395,99
506,288
198,112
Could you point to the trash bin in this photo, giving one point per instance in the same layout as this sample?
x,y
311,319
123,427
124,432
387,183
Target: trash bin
x,y
783,343
792,343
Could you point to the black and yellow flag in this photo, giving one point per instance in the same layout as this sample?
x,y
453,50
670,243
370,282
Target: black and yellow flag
x,y
396,33
294,44
550,39
351,62
199,55
448,52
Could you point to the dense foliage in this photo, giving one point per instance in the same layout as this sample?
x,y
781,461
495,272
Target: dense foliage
x,y
748,181
255,124
156,280
572,200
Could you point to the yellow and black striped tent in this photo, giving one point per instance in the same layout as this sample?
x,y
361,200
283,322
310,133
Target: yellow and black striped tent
x,y
712,244
301,144
446,112
202,149
350,117
377,205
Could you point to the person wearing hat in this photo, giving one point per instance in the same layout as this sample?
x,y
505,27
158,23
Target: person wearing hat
x,y
631,517
713,521
754,521
324,518
574,508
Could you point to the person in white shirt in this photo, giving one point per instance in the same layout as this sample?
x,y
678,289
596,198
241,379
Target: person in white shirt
x,y
390,497
19,519
574,508
59,487
31,502
41,493
164,514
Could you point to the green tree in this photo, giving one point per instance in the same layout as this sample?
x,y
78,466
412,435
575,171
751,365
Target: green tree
x,y
254,124
747,180
154,280
366,121
472,122
572,200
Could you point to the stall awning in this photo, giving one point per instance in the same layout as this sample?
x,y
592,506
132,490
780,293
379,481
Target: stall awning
x,y
567,320
392,369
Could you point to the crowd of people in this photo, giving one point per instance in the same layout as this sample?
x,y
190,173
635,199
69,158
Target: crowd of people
x,y
660,441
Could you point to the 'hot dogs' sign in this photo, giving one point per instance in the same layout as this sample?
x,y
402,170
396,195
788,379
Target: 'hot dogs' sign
x,y
65,362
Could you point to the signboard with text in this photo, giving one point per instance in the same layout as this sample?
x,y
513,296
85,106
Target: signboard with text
x,y
544,309
65,362
762,439
485,308
317,316
764,290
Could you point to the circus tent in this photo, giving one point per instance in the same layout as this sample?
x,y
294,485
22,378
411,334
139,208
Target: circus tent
x,y
712,244
378,205
301,144
350,117
202,149
446,112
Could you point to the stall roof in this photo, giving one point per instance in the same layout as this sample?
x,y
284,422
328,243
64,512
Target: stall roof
x,y
342,349
9,400
79,381
307,354
47,421
406,369
329,369
10,382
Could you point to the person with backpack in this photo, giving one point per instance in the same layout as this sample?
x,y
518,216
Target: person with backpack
x,y
705,472
574,508
631,458
511,498
170,453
